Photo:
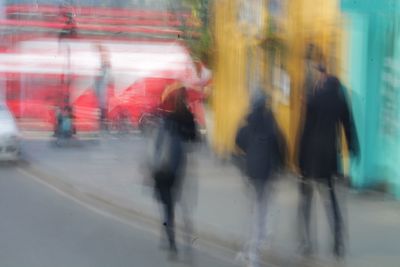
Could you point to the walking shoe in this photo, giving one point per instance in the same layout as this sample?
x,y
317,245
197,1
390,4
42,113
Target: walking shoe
x,y
339,251
173,254
306,250
242,258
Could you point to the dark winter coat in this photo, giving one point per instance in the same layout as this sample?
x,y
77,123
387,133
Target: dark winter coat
x,y
262,143
182,129
326,110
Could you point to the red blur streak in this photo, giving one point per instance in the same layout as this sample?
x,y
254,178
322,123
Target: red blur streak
x,y
129,29
117,12
147,22
19,23
30,36
118,21
124,29
20,37
15,38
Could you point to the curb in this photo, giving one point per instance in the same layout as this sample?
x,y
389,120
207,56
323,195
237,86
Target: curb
x,y
48,135
132,215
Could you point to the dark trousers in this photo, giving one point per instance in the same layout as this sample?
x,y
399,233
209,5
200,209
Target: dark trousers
x,y
103,119
327,191
165,191
169,217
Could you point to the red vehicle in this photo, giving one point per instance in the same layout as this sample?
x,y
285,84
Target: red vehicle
x,y
42,73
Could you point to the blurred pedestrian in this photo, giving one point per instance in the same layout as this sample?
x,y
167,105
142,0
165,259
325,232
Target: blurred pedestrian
x,y
102,83
64,125
70,27
264,150
169,161
58,121
326,111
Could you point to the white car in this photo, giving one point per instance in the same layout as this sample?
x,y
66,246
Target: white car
x,y
9,136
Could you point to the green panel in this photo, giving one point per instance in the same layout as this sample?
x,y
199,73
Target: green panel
x,y
375,58
367,6
357,66
366,59
396,147
374,71
390,112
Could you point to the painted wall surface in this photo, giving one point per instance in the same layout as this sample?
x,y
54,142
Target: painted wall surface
x,y
374,79
236,45
238,51
309,25
389,130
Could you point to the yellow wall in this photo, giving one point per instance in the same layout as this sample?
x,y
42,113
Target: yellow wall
x,y
230,97
304,23
308,23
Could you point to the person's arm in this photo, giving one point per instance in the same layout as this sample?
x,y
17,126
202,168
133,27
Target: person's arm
x,y
346,118
188,129
242,137
281,148
192,130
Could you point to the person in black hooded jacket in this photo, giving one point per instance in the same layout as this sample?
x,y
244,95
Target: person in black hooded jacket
x,y
264,150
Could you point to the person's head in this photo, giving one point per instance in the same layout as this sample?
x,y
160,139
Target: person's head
x,y
310,51
321,68
259,100
320,71
332,83
104,55
197,64
67,109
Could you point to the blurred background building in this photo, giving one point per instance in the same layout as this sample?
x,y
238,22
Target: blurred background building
x,y
270,44
250,45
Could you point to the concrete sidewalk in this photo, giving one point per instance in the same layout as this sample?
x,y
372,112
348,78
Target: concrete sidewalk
x,y
220,201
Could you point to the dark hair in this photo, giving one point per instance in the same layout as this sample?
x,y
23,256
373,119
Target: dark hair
x,y
321,68
332,82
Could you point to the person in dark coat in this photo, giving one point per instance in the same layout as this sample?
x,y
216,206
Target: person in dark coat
x,y
262,143
327,110
181,128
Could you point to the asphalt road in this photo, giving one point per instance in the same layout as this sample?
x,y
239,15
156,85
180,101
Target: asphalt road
x,y
40,227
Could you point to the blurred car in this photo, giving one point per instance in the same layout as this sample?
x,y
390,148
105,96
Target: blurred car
x,y
9,136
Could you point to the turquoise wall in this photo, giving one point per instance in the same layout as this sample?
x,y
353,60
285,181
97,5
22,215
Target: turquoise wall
x,y
374,53
390,111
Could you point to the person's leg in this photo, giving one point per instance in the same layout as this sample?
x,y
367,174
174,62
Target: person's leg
x,y
304,215
56,127
169,218
264,213
253,245
259,222
334,216
187,222
164,195
272,213
188,227
158,196
101,119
